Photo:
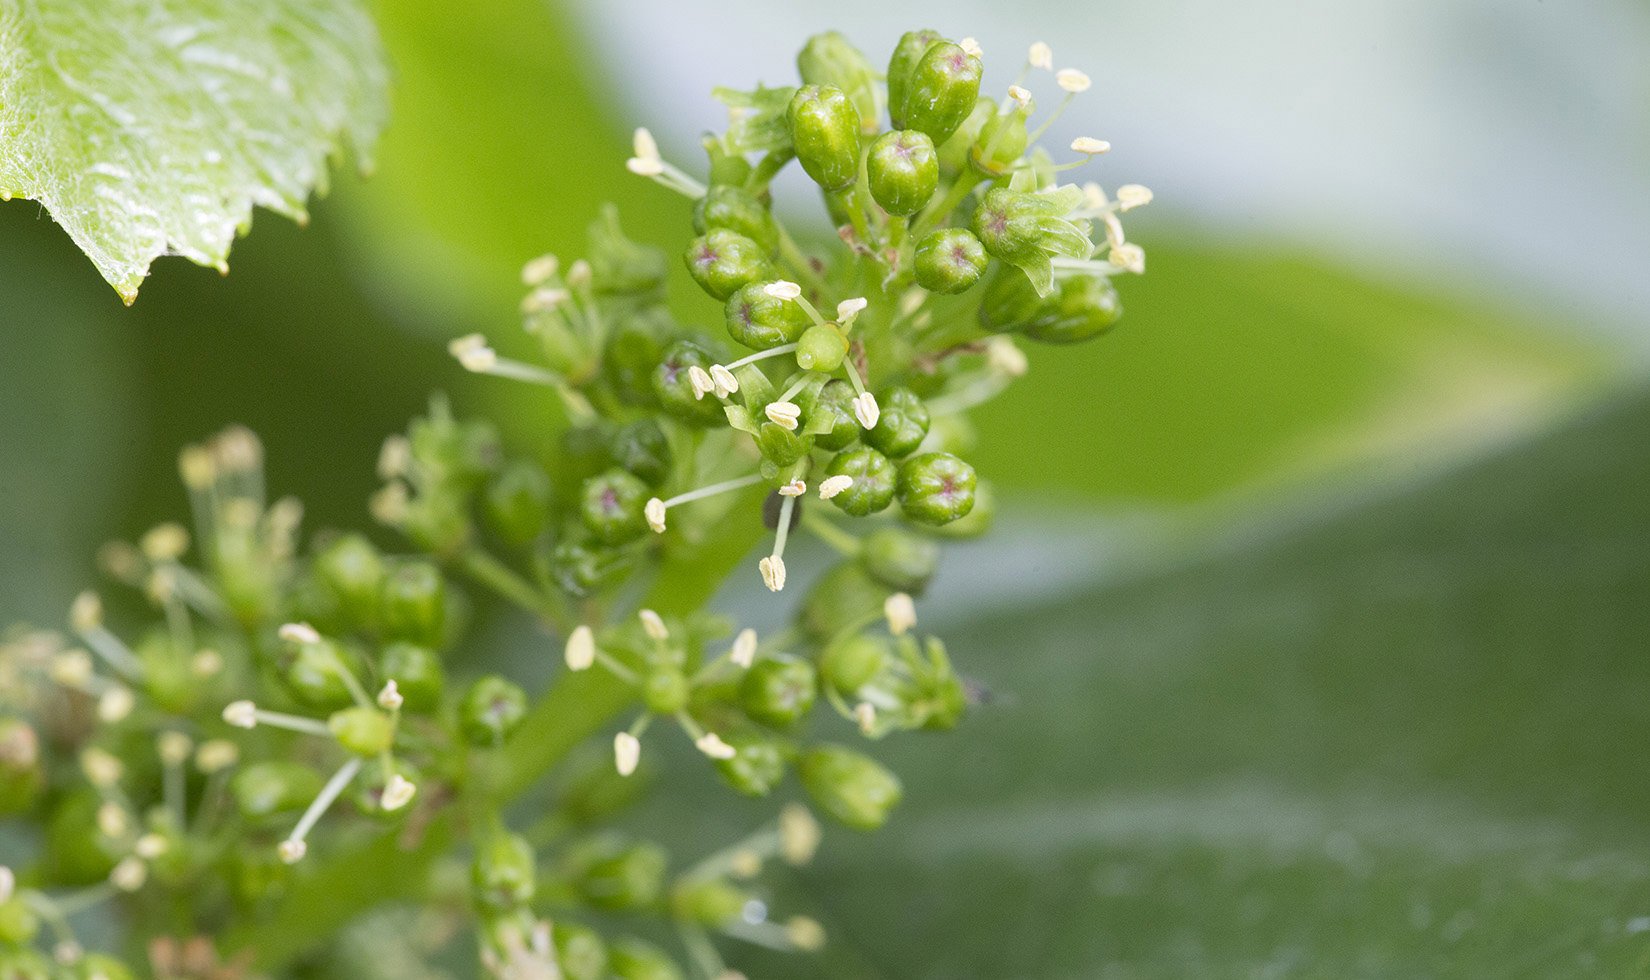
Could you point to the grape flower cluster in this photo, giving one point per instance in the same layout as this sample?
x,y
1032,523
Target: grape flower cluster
x,y
289,703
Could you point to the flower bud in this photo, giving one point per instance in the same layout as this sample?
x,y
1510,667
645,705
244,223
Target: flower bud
x,y
757,765
761,321
612,507
778,690
1083,307
633,959
831,59
504,874
353,572
842,596
1004,135
855,789
822,348
263,789
721,261
941,91
617,876
314,672
903,171
1008,224
936,488
516,503
642,449
825,133
875,481
899,559
674,390
910,49
902,423
580,951
364,731
582,570
832,405
709,902
949,260
978,520
413,606
736,210
491,710
851,662
417,673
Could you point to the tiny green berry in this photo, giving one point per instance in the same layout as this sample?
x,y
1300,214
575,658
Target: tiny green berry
x,y
901,425
580,951
831,59
1084,308
903,171
778,691
665,691
821,348
851,662
671,384
736,210
491,710
516,503
900,559
761,321
623,876
642,449
949,260
611,507
875,481
354,572
721,261
413,606
936,488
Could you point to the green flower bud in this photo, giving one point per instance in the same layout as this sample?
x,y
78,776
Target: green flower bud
x,y
1026,229
936,488
910,49
845,594
622,877
19,923
675,391
831,404
1004,135
1083,308
632,959
758,763
634,349
364,731
855,789
1009,224
491,710
580,951
851,662
721,261
736,210
875,480
643,450
977,521
957,153
417,673
901,425
822,348
709,902
353,572
778,690
20,772
263,789
665,691
517,502
760,321
414,604
504,875
949,260
825,132
314,672
903,170
941,91
438,521
831,59
781,446
611,506
452,452
899,559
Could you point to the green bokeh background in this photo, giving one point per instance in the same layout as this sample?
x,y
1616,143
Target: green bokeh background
x,y
1325,654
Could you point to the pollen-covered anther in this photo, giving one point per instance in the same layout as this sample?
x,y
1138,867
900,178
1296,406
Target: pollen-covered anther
x,y
833,485
799,834
472,352
112,820
129,875
86,614
784,414
165,542
1020,95
390,698
1072,80
850,308
627,753
394,457
71,668
540,270
865,715
1131,196
783,289
773,572
700,381
805,934
743,653
723,380
1094,197
301,633
646,161
1128,256
398,792
795,488
291,851
900,612
241,714
1089,146
216,755
711,744
654,511
866,410
1040,56
653,625
579,274
971,46
580,652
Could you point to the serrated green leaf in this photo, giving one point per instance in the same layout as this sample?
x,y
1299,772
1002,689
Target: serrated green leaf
x,y
152,127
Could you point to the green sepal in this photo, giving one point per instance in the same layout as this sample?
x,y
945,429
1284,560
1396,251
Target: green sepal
x,y
760,125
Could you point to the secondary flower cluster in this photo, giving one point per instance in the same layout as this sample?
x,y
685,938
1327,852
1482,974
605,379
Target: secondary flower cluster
x,y
290,702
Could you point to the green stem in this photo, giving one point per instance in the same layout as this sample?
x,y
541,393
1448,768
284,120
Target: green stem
x,y
936,213
499,577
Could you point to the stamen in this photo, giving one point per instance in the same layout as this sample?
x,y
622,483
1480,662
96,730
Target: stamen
x,y
763,354
866,410
653,625
900,612
712,745
1040,56
398,792
726,384
773,572
1089,146
743,653
713,489
865,713
581,648
784,414
627,753
833,485
1131,196
654,511
539,271
799,834
701,382
292,849
795,488
1072,80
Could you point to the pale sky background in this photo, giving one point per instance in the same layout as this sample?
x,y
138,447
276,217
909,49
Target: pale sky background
x,y
1491,147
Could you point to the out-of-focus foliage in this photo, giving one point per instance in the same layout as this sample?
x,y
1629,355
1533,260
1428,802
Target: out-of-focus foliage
x,y
153,128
